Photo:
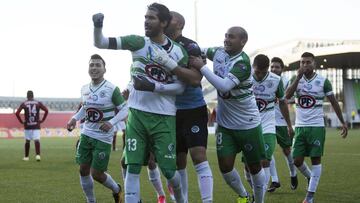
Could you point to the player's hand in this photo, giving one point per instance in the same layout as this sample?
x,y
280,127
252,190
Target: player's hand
x,y
196,62
291,132
344,130
160,56
71,124
125,93
143,84
98,20
106,126
300,72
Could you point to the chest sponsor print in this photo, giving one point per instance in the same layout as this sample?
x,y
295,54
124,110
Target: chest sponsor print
x,y
306,101
156,73
94,115
261,104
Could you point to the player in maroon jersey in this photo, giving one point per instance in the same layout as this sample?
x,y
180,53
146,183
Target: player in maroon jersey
x,y
32,123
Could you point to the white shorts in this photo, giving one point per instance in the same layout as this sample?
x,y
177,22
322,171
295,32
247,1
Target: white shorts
x,y
32,134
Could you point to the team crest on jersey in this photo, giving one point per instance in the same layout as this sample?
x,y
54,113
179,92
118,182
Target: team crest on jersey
x,y
225,95
102,94
269,84
306,101
317,82
260,88
94,115
157,73
261,104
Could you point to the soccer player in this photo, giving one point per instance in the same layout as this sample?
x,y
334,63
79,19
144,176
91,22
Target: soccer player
x,y
151,120
100,98
268,89
239,128
284,135
31,122
191,120
310,90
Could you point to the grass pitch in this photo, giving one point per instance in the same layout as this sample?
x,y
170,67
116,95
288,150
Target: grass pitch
x,y
56,178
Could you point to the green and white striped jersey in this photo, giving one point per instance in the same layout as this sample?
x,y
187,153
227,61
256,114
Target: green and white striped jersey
x,y
309,98
237,108
99,103
279,118
267,91
142,64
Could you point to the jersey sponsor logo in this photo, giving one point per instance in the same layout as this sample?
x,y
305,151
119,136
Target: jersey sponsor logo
x,y
267,147
94,115
259,88
316,143
261,104
156,73
171,147
195,129
225,95
317,82
306,101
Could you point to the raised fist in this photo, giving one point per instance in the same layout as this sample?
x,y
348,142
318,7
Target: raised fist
x,y
98,20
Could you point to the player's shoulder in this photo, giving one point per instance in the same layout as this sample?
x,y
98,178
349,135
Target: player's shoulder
x,y
189,45
109,85
273,76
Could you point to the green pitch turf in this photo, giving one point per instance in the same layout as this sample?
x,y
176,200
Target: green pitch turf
x,y
56,179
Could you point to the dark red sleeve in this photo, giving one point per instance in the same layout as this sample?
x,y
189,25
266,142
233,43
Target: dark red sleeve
x,y
18,111
43,107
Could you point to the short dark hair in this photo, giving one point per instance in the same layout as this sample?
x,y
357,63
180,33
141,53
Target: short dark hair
x,y
278,60
97,56
163,13
30,94
308,54
262,61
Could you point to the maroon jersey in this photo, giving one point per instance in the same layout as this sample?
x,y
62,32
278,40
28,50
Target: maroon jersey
x,y
32,114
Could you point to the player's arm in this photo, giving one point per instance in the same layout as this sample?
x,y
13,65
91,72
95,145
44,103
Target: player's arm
x,y
141,83
80,114
18,111
294,82
335,104
280,95
46,111
121,109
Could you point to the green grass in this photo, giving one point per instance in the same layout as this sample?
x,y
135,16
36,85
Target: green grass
x,y
56,179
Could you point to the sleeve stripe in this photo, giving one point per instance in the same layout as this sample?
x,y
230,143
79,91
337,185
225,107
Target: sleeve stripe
x,y
112,43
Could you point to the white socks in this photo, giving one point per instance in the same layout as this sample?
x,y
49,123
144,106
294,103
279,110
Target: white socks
x,y
304,169
273,172
259,186
184,182
111,184
232,178
315,177
154,177
87,184
205,180
290,163
132,188
176,185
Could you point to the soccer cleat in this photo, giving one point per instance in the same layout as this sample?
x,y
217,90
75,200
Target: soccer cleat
x,y
171,192
243,199
118,197
161,199
294,183
38,158
273,186
26,159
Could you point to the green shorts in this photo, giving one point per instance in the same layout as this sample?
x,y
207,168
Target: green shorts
x,y
250,142
308,141
150,132
270,142
282,137
93,152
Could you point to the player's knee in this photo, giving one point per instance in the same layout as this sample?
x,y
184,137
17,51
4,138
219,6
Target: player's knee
x,y
168,173
134,168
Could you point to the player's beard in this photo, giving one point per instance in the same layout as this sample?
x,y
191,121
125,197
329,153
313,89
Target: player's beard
x,y
152,32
